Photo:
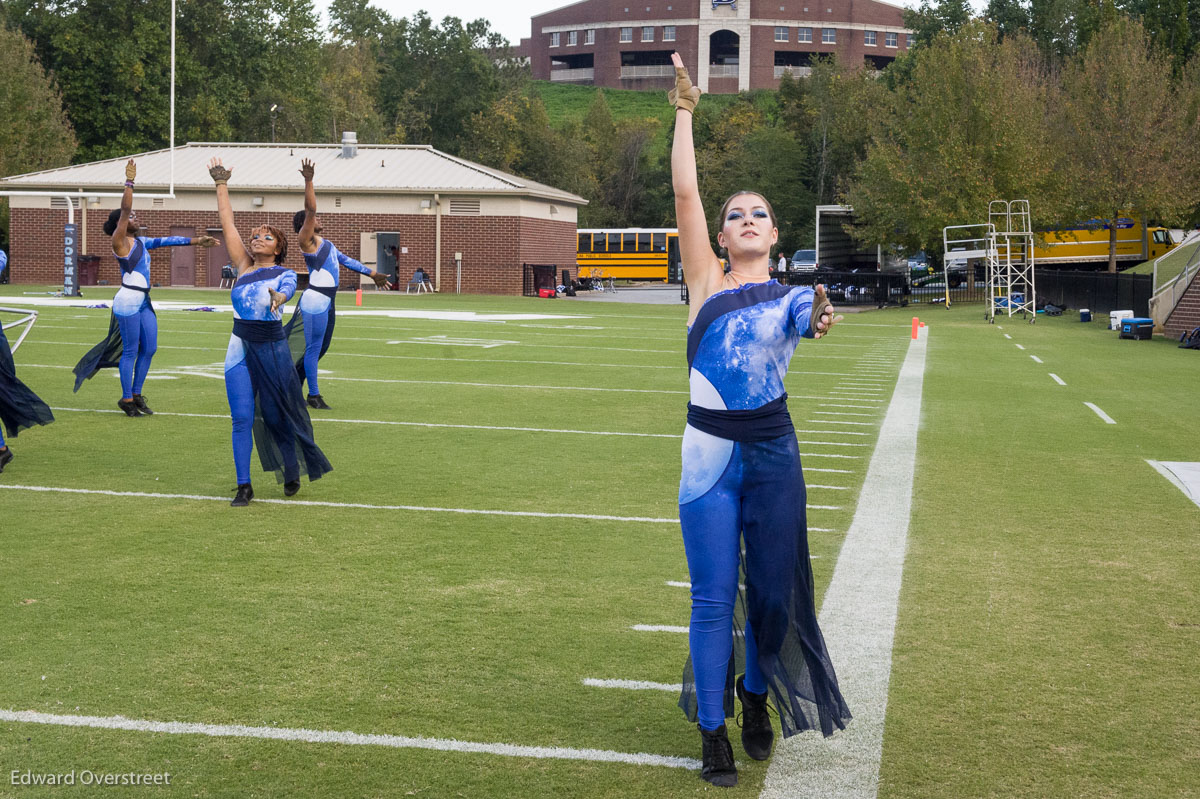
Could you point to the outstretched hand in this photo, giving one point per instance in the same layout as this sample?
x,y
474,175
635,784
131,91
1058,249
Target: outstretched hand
x,y
130,170
684,96
204,241
219,172
822,318
277,300
381,280
307,169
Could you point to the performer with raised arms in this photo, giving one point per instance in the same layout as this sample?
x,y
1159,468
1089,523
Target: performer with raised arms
x,y
742,481
133,326
315,313
260,377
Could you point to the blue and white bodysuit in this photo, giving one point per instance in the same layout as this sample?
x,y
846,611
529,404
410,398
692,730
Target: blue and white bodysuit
x,y
133,327
260,381
315,312
742,482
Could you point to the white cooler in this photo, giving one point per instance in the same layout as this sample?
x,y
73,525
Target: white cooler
x,y
1115,317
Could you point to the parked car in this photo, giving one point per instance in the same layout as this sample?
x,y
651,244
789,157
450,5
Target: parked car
x,y
804,261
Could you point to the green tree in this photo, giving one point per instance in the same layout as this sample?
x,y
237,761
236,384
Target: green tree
x,y
1128,131
970,127
931,18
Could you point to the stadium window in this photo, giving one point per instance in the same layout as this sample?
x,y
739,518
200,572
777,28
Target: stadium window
x,y
781,34
869,38
648,34
804,35
585,242
626,34
828,36
554,40
889,40
614,242
660,242
668,33
572,38
589,37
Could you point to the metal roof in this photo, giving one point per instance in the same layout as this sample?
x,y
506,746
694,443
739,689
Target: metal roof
x,y
377,168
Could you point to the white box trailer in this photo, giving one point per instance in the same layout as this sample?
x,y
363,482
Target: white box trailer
x,y
837,249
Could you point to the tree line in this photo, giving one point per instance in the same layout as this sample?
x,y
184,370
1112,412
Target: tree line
x,y
1087,108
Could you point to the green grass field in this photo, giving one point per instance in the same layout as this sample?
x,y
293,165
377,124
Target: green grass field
x,y
1049,619
1169,266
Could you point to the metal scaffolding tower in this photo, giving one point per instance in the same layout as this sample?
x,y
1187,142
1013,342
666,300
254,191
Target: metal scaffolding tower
x,y
1011,281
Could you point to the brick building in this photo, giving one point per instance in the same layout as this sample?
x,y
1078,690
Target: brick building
x,y
727,45
370,198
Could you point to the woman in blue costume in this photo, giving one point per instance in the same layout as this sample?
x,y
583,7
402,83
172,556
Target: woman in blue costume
x,y
260,377
315,314
19,406
742,482
133,326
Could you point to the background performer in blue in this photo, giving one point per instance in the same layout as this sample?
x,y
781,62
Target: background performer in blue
x,y
315,313
260,378
741,483
19,406
133,326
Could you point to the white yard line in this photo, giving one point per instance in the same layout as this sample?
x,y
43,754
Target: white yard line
x,y
633,685
658,628
318,504
1183,475
858,616
1036,359
1057,379
1020,347
1107,419
345,738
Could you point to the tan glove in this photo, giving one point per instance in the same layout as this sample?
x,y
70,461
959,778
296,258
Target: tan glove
x,y
822,307
130,170
381,280
220,174
684,96
307,169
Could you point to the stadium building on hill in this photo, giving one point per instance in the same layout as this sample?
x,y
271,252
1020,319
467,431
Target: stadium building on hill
x,y
425,204
727,45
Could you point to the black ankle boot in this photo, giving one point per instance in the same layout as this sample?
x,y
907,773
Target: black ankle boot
x,y
6,457
318,402
291,487
757,735
129,406
140,402
244,494
717,757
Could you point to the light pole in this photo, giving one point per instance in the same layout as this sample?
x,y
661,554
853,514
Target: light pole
x,y
274,113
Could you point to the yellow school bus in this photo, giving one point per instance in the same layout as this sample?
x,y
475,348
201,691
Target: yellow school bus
x,y
629,254
1088,243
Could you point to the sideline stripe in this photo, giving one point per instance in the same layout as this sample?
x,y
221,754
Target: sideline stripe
x,y
834,471
318,504
1036,359
658,628
632,685
1057,379
347,738
858,617
1107,419
410,424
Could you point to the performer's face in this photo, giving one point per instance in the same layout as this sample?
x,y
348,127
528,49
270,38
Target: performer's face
x,y
262,242
131,225
747,230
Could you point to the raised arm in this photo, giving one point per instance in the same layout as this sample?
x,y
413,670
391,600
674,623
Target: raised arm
x,y
380,279
308,231
701,268
238,256
120,238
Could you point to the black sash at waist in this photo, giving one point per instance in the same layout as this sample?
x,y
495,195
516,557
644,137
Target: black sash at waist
x,y
136,288
757,424
254,330
328,291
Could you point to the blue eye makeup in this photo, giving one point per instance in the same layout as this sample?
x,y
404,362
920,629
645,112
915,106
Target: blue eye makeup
x,y
759,214
733,216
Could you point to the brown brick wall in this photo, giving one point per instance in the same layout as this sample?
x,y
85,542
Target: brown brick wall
x,y
493,247
1186,315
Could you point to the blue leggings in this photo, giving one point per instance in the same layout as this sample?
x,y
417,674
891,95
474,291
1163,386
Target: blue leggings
x,y
240,391
314,338
760,498
139,339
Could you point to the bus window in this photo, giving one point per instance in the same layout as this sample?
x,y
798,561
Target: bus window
x,y
598,243
614,242
585,242
660,242
643,242
630,242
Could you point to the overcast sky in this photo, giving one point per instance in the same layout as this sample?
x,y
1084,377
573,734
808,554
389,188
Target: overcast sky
x,y
510,18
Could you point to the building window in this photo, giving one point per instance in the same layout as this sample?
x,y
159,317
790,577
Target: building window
x,y
647,34
828,36
572,38
626,34
668,33
554,40
804,34
869,38
889,40
589,37
781,34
